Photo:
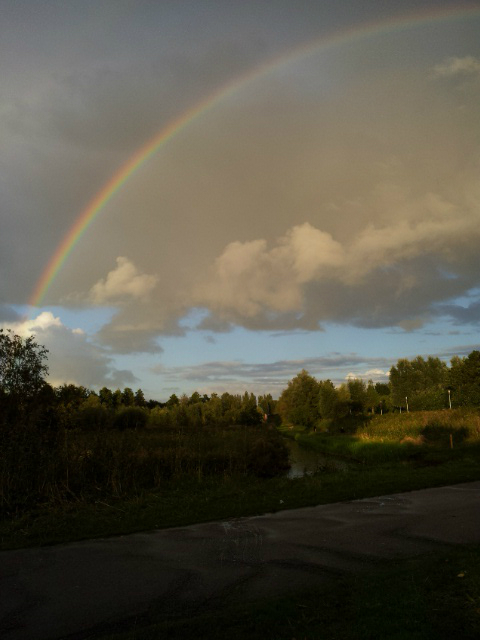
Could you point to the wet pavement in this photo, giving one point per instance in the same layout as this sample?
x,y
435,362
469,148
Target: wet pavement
x,y
78,590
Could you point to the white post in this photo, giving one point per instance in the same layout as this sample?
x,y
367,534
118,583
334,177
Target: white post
x,y
406,402
449,399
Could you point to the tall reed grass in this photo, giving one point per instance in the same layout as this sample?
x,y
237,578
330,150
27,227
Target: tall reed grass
x,y
81,465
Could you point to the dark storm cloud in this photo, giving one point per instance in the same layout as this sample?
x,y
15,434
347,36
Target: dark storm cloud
x,y
340,188
462,315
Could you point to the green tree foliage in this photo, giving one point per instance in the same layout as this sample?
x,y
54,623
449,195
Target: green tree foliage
x,y
199,411
106,397
249,413
72,396
385,398
382,389
172,401
213,411
195,398
140,399
69,400
299,402
128,397
30,430
267,404
92,417
357,390
333,404
464,380
373,397
23,365
117,399
422,381
343,401
130,418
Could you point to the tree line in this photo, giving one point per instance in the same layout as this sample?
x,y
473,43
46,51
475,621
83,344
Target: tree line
x,y
414,385
25,395
85,409
417,384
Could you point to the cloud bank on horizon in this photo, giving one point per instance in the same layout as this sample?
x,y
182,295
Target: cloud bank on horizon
x,y
340,189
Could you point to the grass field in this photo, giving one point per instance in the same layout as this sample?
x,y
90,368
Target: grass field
x,y
424,598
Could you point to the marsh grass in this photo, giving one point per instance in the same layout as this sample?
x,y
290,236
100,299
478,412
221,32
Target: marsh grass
x,y
88,466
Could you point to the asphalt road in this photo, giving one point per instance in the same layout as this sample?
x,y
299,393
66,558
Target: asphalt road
x,y
76,590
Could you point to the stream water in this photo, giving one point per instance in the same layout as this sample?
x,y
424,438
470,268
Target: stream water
x,y
305,462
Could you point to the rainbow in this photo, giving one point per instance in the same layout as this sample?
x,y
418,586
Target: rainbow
x,y
145,152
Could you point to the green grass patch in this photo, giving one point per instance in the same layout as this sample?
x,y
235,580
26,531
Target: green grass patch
x,y
424,598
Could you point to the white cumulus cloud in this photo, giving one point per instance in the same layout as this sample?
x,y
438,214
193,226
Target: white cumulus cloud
x,y
308,268
72,356
26,327
125,281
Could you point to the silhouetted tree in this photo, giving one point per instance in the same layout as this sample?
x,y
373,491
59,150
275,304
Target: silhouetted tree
x,y
128,397
23,365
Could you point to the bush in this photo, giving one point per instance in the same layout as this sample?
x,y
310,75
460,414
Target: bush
x,y
130,418
93,418
160,417
429,400
268,457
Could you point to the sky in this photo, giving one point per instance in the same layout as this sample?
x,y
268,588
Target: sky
x,y
213,195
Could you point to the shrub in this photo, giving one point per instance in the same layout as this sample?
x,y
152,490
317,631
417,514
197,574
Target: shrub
x,y
130,418
93,418
160,417
268,457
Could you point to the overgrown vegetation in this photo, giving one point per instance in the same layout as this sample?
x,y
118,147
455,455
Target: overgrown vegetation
x,y
53,465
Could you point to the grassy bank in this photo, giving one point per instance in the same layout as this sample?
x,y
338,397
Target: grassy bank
x,y
426,598
428,436
190,500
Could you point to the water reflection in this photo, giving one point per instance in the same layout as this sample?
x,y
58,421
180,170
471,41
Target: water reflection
x,y
306,462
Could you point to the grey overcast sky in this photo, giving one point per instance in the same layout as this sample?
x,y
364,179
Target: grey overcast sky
x,y
323,214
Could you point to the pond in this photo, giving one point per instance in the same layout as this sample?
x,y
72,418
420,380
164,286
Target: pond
x,y
306,462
